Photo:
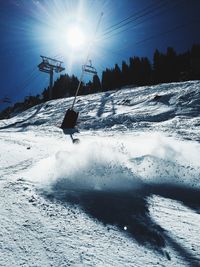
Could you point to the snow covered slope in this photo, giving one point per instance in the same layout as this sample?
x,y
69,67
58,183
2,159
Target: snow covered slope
x,y
126,195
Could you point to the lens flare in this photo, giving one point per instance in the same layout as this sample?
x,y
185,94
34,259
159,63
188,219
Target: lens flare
x,y
65,30
75,37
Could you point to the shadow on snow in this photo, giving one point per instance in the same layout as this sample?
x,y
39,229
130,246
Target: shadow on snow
x,y
24,123
106,98
129,211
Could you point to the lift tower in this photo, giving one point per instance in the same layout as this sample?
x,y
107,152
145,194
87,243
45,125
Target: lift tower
x,y
49,65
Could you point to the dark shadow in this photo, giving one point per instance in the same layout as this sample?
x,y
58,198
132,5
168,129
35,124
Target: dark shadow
x,y
104,99
183,252
113,107
71,133
129,212
126,210
23,123
164,99
190,197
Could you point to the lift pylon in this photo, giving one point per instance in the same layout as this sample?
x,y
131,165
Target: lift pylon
x,y
49,65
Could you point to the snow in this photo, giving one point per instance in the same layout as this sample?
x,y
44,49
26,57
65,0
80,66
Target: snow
x,y
126,195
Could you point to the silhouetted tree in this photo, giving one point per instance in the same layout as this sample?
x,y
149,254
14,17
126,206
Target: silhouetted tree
x,y
45,94
158,67
125,74
116,77
107,80
195,62
96,84
169,67
145,71
184,66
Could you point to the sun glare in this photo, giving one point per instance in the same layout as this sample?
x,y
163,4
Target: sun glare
x,y
75,37
64,30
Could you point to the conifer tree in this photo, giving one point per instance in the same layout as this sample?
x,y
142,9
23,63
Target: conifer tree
x,y
125,74
117,77
96,84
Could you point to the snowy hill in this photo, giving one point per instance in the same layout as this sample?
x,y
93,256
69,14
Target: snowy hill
x,y
126,195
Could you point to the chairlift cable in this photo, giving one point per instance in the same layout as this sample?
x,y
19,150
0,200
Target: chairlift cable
x,y
28,82
139,23
33,71
129,17
168,31
133,18
87,58
177,2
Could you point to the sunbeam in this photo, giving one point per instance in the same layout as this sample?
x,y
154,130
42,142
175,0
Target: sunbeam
x,y
67,29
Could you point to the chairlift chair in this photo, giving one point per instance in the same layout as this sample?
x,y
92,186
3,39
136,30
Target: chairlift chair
x,y
71,116
5,100
89,68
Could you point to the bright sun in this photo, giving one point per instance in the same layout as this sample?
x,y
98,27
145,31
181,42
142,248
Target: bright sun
x,y
75,37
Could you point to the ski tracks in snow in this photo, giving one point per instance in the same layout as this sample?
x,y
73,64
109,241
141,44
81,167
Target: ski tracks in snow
x,y
38,229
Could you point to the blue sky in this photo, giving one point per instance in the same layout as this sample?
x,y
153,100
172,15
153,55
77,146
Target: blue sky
x,y
30,28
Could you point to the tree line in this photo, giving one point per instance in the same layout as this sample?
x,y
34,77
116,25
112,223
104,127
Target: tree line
x,y
165,68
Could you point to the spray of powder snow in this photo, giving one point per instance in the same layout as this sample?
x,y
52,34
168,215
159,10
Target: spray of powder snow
x,y
121,163
92,165
157,158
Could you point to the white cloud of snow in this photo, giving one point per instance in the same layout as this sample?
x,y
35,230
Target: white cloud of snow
x,y
121,162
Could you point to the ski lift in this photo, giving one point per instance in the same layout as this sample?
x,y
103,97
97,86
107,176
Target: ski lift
x,y
71,115
6,100
89,68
